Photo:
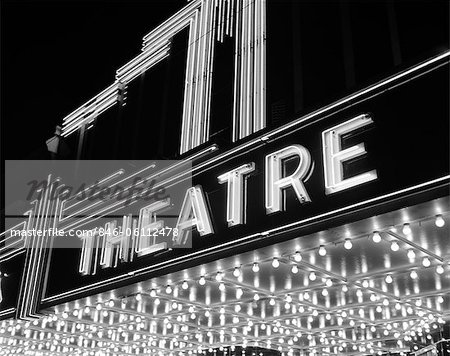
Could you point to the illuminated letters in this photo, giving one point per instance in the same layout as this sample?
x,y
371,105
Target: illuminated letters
x,y
113,239
236,192
146,242
88,259
276,183
334,156
193,213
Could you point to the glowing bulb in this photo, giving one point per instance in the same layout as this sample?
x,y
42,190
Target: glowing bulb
x,y
439,269
439,221
255,267
239,293
388,279
275,263
322,251
237,272
294,269
426,262
202,281
288,298
324,292
312,276
406,229
272,301
256,297
221,286
440,299
329,282
385,302
153,293
411,254
376,237
348,244
345,288
394,246
219,276
298,256
413,274
185,285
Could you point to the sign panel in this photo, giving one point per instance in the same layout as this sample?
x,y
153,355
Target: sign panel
x,y
386,146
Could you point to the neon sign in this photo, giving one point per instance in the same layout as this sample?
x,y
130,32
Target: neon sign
x,y
194,212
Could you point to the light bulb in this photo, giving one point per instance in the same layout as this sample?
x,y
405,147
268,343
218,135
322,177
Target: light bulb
x,y
185,285
413,274
168,289
376,237
288,298
329,282
221,286
239,293
294,269
312,276
324,292
345,288
388,279
275,263
256,297
348,244
153,293
202,281
394,246
439,269
439,221
219,276
298,256
411,254
426,262
322,251
237,272
272,301
406,229
255,267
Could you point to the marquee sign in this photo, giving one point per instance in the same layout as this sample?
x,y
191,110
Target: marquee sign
x,y
347,157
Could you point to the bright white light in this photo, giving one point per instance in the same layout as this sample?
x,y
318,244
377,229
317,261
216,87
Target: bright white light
x,y
406,229
411,254
153,293
426,262
324,292
298,256
219,276
322,251
294,269
185,285
237,272
202,281
329,282
272,301
440,222
348,244
256,297
388,279
221,286
345,288
275,263
255,267
312,276
394,246
376,237
413,274
239,293
439,269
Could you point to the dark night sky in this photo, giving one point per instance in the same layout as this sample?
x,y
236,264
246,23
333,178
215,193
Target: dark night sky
x,y
55,55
